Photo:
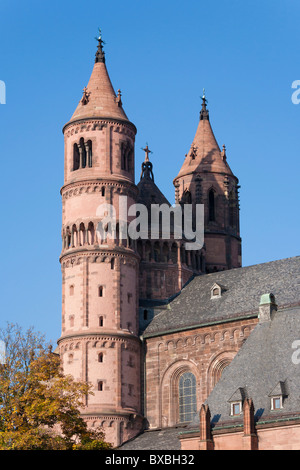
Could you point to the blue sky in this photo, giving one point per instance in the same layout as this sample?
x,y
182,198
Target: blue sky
x,y
161,54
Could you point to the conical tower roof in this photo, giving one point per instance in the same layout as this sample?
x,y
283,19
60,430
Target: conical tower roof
x,y
205,154
99,99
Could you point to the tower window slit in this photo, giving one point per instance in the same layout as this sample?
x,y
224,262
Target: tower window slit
x,y
211,205
101,291
100,386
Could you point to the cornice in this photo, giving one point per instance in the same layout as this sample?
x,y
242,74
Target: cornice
x,y
99,255
202,173
96,120
94,185
96,336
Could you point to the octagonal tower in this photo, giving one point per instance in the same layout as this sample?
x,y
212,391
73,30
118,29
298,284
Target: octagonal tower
x,y
206,178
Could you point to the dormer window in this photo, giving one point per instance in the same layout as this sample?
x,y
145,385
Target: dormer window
x,y
236,402
276,403
236,408
277,396
216,291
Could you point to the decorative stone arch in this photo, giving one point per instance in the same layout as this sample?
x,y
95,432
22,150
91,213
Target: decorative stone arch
x,y
169,391
186,197
217,366
211,203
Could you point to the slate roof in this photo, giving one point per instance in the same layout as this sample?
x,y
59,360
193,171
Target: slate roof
x,y
162,439
264,366
149,193
242,289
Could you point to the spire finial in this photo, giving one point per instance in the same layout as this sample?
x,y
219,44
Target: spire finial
x,y
147,151
100,55
147,166
204,111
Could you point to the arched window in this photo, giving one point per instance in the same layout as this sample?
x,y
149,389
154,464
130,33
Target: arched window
x,y
148,251
187,197
91,233
76,157
232,209
82,152
126,156
211,206
187,397
89,154
165,252
174,252
156,252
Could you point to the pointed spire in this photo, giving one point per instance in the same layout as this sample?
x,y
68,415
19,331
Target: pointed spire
x,y
100,55
205,153
99,99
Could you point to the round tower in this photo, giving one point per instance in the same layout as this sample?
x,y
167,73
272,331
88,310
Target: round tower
x,y
206,178
99,342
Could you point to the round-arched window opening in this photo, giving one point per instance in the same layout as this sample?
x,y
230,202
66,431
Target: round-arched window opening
x,y
187,397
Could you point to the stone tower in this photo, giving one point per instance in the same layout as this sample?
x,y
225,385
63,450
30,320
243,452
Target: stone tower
x,y
206,178
165,263
99,343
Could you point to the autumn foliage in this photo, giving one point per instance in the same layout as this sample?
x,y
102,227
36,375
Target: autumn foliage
x,y
39,406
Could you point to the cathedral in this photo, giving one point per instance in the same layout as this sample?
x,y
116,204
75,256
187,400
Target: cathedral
x,y
184,348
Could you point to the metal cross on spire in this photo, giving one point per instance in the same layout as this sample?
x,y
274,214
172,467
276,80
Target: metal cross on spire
x,y
204,111
100,56
147,151
203,97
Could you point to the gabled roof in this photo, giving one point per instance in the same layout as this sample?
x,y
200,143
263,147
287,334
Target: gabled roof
x,y
239,395
193,307
263,364
279,389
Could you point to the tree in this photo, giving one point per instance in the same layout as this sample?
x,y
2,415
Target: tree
x,y
39,405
